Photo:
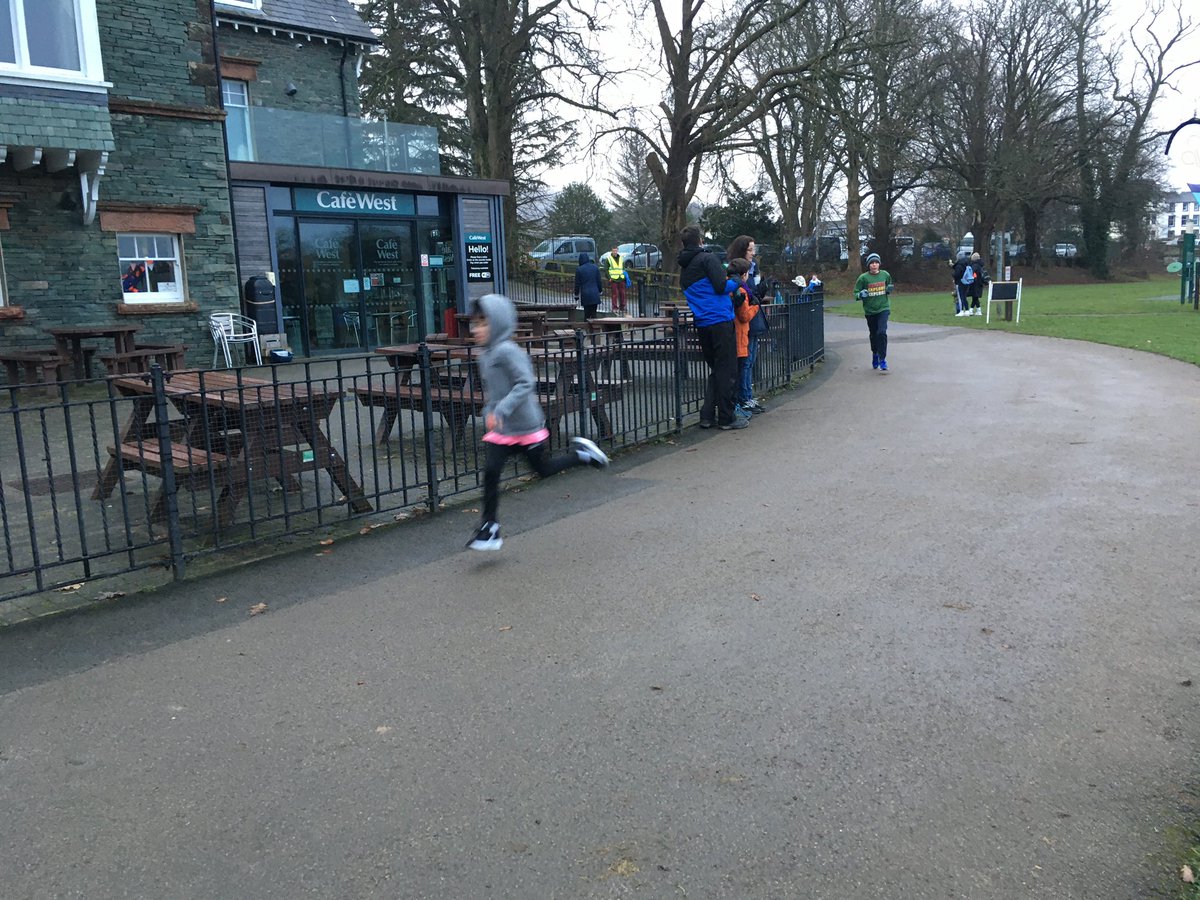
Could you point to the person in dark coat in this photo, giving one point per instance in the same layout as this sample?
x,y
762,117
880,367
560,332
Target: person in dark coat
x,y
588,286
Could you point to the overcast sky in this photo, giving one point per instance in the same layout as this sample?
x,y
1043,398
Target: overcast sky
x,y
1172,108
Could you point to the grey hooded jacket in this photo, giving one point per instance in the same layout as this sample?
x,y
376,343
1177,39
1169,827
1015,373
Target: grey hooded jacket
x,y
509,387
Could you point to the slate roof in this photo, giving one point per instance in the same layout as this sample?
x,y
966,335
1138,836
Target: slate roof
x,y
333,17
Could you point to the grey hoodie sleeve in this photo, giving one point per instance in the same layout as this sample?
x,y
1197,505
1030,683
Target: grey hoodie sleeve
x,y
519,369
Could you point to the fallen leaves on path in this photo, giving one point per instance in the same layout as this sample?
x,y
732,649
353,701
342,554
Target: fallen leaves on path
x,y
258,608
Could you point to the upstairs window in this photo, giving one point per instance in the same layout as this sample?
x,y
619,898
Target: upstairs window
x,y
236,97
52,39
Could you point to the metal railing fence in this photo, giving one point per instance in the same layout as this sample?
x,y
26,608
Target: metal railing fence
x,y
117,475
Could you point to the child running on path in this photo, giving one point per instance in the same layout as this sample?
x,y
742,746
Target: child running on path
x,y
872,288
514,418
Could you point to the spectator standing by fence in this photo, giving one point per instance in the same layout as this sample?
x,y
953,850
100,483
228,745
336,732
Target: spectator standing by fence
x,y
703,278
745,248
746,313
588,286
872,288
614,267
977,286
964,278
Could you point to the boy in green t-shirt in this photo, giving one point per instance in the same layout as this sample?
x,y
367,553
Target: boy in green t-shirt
x,y
872,288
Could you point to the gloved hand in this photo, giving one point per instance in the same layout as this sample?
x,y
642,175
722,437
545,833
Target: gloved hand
x,y
863,294
889,288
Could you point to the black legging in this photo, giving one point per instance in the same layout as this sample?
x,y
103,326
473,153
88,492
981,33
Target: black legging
x,y
539,458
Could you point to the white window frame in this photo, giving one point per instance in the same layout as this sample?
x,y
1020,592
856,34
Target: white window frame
x,y
91,71
243,112
179,295
242,4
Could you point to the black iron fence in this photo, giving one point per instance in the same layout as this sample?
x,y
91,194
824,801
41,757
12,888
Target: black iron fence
x,y
648,291
106,477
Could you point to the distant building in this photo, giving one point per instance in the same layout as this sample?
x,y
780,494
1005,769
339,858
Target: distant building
x,y
1178,214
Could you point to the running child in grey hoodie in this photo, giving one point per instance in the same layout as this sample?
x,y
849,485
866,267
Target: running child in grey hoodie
x,y
513,416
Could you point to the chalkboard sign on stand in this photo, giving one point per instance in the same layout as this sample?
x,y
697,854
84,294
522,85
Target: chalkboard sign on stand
x,y
1006,292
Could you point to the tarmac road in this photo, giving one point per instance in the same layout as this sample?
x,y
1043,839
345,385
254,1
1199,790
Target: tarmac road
x,y
925,634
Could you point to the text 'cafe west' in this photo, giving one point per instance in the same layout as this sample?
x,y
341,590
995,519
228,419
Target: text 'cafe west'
x,y
356,268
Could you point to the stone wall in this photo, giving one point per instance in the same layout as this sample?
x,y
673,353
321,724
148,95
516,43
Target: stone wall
x,y
311,65
169,153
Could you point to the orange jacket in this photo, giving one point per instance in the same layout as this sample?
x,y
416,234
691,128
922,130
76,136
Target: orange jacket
x,y
743,312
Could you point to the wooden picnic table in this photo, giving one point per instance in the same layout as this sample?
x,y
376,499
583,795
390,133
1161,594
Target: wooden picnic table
x,y
234,430
564,382
68,339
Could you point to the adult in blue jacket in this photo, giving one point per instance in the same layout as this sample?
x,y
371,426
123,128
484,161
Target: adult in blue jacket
x,y
702,278
588,285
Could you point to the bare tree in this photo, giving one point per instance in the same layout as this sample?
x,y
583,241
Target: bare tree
x,y
884,112
796,140
712,96
1112,115
637,207
506,65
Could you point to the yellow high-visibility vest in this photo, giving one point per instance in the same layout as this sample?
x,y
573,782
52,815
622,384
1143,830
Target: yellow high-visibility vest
x,y
616,268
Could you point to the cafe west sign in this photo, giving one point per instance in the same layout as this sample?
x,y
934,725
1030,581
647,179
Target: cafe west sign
x,y
369,203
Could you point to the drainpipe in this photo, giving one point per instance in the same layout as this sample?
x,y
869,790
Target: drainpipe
x,y
216,51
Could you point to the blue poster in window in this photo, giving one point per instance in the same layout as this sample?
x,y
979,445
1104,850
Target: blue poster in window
x,y
479,256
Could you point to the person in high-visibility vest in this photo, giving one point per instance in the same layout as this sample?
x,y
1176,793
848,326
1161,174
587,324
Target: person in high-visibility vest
x,y
615,268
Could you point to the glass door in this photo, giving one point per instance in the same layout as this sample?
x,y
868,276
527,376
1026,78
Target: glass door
x,y
389,280
333,314
438,283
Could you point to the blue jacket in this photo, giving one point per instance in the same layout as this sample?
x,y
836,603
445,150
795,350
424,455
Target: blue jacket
x,y
702,278
587,281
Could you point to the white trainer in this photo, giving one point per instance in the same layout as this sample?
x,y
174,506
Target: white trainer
x,y
486,538
589,453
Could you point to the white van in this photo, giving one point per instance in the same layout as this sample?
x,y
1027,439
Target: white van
x,y
966,247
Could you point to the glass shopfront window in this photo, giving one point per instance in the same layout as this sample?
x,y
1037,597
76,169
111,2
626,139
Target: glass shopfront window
x,y
361,269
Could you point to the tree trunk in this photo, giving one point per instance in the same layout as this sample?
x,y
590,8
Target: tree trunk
x,y
853,210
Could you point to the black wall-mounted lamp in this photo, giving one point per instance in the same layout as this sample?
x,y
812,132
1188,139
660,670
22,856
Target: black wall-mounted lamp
x,y
291,90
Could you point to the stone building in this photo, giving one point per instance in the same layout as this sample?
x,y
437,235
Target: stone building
x,y
156,155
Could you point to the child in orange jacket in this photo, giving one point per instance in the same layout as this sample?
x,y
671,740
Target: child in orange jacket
x,y
744,310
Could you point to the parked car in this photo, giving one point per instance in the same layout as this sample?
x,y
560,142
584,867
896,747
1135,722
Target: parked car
x,y
717,250
935,250
1066,251
640,256
553,252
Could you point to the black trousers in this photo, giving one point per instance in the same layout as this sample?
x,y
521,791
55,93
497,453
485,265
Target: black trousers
x,y
537,455
718,344
877,329
589,311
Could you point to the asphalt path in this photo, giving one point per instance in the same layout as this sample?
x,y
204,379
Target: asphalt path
x,y
925,634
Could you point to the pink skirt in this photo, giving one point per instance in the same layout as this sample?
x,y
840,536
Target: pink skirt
x,y
518,440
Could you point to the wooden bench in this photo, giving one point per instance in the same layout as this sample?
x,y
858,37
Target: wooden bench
x,y
191,466
38,366
459,400
169,356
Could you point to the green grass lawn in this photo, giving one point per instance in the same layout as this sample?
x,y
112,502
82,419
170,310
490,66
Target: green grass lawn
x,y
1143,315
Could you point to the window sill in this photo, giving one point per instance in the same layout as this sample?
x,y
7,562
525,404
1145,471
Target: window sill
x,y
157,309
12,312
65,82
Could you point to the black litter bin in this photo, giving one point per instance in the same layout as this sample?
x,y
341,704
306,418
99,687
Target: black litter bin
x,y
259,297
